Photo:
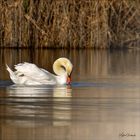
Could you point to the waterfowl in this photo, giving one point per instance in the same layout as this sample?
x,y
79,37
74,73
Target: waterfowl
x,y
30,74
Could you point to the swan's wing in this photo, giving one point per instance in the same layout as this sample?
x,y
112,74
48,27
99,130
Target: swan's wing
x,y
32,71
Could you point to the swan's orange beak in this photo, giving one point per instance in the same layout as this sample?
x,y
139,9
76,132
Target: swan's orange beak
x,y
68,80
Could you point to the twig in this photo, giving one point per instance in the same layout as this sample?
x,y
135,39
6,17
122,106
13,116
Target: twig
x,y
35,24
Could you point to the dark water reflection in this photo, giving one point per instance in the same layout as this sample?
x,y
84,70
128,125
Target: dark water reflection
x,y
102,103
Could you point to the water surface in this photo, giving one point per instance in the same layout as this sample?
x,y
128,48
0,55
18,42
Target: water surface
x,y
102,103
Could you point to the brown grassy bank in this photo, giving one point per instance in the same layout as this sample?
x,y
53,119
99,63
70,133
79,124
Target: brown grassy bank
x,y
70,23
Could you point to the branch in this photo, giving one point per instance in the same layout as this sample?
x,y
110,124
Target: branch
x,y
35,24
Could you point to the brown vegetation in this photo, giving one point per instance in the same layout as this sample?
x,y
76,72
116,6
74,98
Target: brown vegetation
x,y
70,23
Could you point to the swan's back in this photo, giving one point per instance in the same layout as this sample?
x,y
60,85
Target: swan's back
x,y
30,74
31,70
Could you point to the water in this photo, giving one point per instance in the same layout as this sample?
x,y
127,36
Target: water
x,y
102,103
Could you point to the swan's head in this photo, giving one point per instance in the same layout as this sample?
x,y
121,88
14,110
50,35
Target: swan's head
x,y
63,66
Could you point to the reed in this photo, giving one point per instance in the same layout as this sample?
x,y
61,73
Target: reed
x,y
70,23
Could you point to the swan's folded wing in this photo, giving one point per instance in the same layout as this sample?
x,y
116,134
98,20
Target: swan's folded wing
x,y
32,71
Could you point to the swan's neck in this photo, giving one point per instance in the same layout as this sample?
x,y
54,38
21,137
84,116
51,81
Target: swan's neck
x,y
62,79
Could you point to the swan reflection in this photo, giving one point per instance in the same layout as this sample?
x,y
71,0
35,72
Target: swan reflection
x,y
38,105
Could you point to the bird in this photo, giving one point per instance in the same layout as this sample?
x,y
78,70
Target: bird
x,y
30,74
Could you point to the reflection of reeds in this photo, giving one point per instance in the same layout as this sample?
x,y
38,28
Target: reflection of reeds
x,y
69,23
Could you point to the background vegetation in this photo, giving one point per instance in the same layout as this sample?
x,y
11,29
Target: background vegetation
x,y
70,23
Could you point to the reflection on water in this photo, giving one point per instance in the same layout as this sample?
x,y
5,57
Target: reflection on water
x,y
102,103
28,104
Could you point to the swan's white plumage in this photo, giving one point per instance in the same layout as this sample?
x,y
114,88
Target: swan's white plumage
x,y
30,74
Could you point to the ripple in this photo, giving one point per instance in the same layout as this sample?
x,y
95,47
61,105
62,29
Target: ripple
x,y
104,85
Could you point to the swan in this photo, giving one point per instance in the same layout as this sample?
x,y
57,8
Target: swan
x,y
29,74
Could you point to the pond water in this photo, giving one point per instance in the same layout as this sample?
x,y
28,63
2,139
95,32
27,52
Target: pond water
x,y
102,103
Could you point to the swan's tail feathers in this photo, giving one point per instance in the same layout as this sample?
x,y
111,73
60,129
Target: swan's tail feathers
x,y
12,74
9,70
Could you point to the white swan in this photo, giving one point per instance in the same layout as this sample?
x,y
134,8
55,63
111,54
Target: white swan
x,y
30,74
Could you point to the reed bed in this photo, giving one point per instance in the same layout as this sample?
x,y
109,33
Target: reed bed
x,y
70,23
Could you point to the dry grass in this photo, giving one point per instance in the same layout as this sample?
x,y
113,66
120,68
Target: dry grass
x,y
70,23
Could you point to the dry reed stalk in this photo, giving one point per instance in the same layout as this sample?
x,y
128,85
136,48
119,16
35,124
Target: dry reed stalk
x,y
69,23
123,23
